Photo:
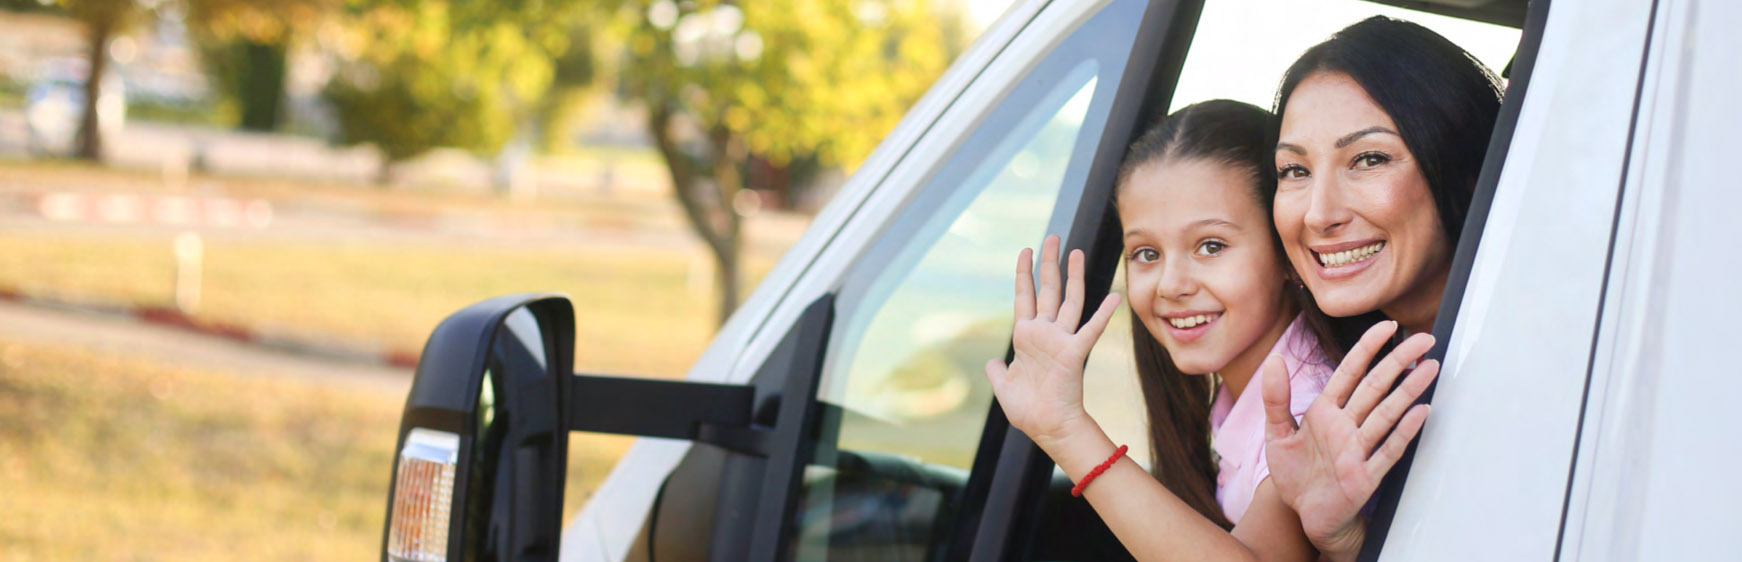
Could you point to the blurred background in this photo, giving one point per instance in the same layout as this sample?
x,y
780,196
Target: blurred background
x,y
227,226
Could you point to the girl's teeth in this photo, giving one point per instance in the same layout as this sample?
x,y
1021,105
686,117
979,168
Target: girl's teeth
x,y
1191,321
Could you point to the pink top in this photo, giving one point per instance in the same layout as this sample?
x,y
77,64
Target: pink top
x,y
1238,424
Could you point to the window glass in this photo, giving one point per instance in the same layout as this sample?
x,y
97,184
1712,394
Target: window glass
x,y
905,396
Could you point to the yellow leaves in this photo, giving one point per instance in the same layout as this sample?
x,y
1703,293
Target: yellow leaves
x,y
737,119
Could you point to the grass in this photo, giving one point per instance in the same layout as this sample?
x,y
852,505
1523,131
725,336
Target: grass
x,y
106,458
634,313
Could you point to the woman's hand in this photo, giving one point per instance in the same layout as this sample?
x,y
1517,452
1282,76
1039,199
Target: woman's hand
x,y
1328,466
1042,389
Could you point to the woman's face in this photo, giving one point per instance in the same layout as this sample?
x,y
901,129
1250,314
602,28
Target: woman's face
x,y
1202,272
1352,207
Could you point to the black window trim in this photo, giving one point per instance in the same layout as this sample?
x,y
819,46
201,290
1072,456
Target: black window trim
x,y
1145,90
1469,240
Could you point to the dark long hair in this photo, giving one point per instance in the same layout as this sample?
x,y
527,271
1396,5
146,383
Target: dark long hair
x,y
1240,136
1442,99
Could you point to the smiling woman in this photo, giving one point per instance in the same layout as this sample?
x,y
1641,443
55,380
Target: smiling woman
x,y
1384,128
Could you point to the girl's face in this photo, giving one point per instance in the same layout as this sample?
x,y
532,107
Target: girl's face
x,y
1352,207
1201,270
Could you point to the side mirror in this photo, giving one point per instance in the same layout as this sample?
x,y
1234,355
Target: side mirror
x,y
483,442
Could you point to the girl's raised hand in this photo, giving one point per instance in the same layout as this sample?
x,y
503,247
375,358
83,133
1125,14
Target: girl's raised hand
x,y
1327,467
1041,390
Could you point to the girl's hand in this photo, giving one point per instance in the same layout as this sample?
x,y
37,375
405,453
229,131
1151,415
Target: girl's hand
x,y
1042,389
1328,466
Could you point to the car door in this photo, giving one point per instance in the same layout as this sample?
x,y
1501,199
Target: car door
x,y
902,456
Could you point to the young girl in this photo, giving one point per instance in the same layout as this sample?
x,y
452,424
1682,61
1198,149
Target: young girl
x,y
1212,297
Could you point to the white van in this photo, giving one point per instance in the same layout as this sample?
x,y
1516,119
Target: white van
x,y
841,414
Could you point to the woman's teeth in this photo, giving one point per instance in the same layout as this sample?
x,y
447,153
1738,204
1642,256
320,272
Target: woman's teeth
x,y
1193,321
1347,257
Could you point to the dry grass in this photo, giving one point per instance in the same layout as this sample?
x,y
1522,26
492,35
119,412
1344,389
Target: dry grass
x,y
105,458
634,313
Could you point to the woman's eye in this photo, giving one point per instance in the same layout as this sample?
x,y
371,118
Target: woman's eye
x,y
1371,159
1145,255
1211,247
1291,171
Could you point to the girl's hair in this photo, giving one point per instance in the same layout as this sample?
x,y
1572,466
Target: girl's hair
x,y
1240,136
1443,101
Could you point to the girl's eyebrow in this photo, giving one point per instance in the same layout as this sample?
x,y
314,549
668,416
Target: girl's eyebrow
x,y
1216,222
1135,232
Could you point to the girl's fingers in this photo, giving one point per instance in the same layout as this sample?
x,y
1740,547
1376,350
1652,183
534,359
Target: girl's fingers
x,y
1278,417
1386,415
1387,456
1377,383
1354,365
1047,300
1071,311
995,371
1025,285
1098,323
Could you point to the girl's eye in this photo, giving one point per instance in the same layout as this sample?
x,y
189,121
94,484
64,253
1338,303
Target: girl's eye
x,y
1292,171
1371,160
1211,247
1145,255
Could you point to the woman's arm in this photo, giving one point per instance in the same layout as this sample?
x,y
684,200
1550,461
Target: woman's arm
x,y
1041,392
1328,466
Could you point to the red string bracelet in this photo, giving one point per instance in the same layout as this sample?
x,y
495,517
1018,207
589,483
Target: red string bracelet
x,y
1077,491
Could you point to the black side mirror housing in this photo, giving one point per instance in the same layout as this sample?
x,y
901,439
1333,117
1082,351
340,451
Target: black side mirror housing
x,y
484,419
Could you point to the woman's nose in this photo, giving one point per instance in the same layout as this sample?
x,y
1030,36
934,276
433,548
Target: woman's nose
x,y
1326,211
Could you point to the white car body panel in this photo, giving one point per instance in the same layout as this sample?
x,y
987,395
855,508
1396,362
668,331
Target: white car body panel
x,y
1655,478
815,264
1547,307
1490,473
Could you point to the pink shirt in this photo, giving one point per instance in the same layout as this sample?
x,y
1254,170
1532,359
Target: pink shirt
x,y
1238,424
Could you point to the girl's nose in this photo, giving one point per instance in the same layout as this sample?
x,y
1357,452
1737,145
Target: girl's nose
x,y
1176,280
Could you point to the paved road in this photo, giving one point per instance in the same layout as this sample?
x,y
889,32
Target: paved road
x,y
120,336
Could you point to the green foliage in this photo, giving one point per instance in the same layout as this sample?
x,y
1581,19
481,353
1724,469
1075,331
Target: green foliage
x,y
465,74
800,77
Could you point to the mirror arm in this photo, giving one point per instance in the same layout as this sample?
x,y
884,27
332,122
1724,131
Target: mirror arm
x,y
717,414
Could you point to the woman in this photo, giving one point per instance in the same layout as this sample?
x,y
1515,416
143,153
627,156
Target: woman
x,y
1384,128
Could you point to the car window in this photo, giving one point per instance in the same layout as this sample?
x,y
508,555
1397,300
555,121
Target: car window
x,y
930,302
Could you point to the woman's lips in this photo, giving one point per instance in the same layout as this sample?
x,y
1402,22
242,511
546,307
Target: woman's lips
x,y
1200,324
1342,261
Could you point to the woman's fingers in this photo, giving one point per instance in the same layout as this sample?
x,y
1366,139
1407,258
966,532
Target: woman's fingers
x,y
1047,300
1377,384
1278,417
1386,415
1387,456
1025,285
1354,365
1071,311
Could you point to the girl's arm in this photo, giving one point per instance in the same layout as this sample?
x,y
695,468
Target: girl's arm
x,y
1041,392
1153,524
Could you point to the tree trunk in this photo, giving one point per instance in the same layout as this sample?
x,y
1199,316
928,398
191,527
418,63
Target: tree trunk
x,y
260,84
707,208
90,130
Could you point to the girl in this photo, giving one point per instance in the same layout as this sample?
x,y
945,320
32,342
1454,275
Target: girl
x,y
1211,297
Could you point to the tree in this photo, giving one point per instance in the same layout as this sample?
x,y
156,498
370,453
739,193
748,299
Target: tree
x,y
244,46
470,75
780,80
103,19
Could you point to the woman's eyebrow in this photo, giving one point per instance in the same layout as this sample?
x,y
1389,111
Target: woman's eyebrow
x,y
1355,136
1291,148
